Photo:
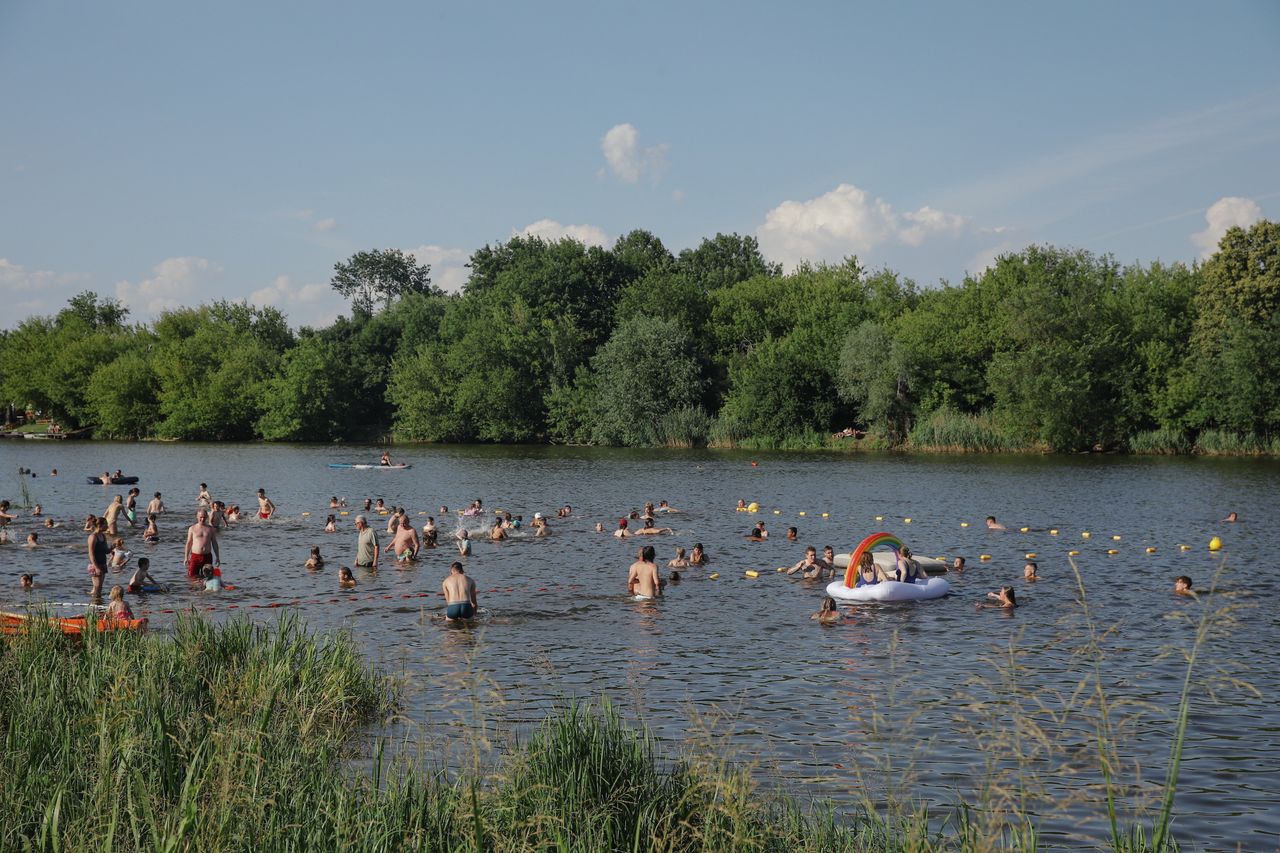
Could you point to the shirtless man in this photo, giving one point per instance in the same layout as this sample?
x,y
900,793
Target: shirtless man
x,y
459,594
642,580
203,500
496,533
218,515
156,506
405,545
650,530
201,546
663,506
809,567
992,524
266,508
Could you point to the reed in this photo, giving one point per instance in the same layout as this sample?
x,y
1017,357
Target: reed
x,y
1218,442
947,430
1161,442
687,426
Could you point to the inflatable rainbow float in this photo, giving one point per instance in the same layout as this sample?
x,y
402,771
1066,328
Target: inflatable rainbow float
x,y
849,589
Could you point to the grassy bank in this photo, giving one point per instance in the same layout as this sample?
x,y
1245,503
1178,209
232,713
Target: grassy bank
x,y
238,737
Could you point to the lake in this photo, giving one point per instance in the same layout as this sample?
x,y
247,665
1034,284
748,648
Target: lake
x,y
945,694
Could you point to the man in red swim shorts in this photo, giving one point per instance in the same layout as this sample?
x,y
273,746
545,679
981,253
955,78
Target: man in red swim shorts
x,y
202,545
266,508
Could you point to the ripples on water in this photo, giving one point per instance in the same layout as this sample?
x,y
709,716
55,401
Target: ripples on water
x,y
737,662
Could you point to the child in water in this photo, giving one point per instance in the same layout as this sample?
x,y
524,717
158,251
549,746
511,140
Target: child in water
x,y
1005,599
828,612
33,539
1029,572
680,562
1182,586
152,533
315,562
346,580
27,582
119,556
331,524
212,582
118,608
142,576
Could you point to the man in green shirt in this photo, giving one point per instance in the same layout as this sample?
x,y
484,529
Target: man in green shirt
x,y
366,544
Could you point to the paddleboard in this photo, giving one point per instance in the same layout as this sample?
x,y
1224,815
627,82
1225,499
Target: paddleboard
x,y
368,467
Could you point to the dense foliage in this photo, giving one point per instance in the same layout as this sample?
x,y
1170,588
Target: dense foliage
x,y
634,345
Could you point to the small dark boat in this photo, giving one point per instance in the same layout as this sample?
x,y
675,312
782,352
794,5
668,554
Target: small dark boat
x,y
115,481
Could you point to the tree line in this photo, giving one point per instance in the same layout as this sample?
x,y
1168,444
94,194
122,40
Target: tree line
x,y
554,341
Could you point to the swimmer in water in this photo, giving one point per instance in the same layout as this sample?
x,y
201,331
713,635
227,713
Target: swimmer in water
x,y
266,509
643,582
119,556
808,566
315,562
346,580
680,562
141,576
331,524
37,511
792,534
599,527
992,524
464,541
49,523
497,533
742,505
33,539
1005,599
459,594
698,557
1029,572
152,533
663,506
758,533
649,530
1231,518
27,582
622,532
118,608
1182,586
958,565
828,612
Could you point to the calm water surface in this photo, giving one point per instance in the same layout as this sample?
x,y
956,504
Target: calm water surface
x,y
736,662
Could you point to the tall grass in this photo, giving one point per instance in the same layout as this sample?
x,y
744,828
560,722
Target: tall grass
x,y
950,431
1160,442
1218,442
687,426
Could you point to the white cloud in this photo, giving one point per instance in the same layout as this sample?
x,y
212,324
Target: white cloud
x,y
25,292
549,229
326,224
449,270
304,304
627,159
1221,215
176,282
845,221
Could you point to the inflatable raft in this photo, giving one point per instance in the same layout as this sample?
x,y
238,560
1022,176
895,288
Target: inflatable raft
x,y
20,623
848,589
115,481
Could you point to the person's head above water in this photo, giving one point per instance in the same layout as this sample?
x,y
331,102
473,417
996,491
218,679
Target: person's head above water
x,y
27,581
1182,583
647,553
456,568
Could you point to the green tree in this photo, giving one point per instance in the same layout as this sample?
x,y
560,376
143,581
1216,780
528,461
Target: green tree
x,y
647,369
385,275
875,375
310,398
783,387
724,260
123,395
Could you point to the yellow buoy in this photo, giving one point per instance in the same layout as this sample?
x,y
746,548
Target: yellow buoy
x,y
1024,529
826,515
383,511
1215,544
1150,550
345,512
777,512
1053,531
753,507
422,512
1112,551
879,518
984,556
906,521
1085,534
964,524
305,514
781,568
940,559
1031,555
1184,547
1116,537
752,573
802,512
1073,553
713,576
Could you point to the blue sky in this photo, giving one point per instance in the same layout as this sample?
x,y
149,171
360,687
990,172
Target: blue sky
x,y
170,153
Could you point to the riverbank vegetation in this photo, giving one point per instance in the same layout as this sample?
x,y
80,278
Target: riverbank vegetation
x,y
1048,349
244,736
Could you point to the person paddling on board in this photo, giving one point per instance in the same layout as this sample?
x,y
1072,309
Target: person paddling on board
x,y
386,459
